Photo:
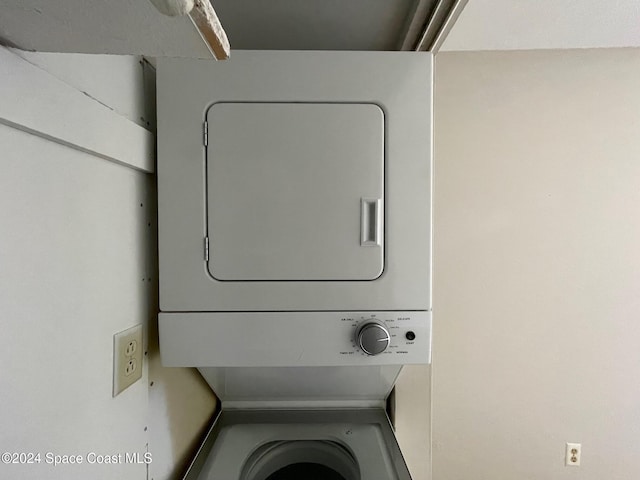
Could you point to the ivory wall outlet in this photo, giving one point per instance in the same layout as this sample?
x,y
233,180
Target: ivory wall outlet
x,y
572,454
127,358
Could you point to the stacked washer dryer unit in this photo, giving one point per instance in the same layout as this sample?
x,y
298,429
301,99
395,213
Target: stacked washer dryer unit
x,y
294,193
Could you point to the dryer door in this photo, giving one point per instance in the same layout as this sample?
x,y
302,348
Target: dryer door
x,y
295,191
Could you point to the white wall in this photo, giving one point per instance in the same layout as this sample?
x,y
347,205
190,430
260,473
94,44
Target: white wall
x,y
537,264
74,268
115,81
78,263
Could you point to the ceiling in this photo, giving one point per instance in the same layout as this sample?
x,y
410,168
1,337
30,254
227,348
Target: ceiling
x,y
97,26
315,24
135,27
543,24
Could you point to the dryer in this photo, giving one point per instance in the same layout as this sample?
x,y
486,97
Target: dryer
x,y
294,204
295,181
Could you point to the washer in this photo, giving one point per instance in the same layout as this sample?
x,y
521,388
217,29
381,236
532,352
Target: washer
x,y
311,444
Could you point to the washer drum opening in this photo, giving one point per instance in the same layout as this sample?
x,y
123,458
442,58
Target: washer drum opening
x,y
321,456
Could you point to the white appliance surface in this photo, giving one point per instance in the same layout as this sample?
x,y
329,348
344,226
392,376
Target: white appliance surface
x,y
302,387
229,451
295,181
294,208
286,186
281,339
294,358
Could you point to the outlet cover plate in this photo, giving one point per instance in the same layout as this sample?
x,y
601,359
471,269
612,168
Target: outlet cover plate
x,y
127,358
573,454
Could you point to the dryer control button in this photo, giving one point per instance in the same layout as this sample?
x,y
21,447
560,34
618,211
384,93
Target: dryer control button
x,y
373,338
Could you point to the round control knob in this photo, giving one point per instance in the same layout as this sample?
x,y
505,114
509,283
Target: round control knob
x,y
373,338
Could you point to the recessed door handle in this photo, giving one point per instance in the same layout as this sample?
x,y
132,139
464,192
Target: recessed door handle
x,y
370,222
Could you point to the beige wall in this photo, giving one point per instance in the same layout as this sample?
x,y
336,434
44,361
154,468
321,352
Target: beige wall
x,y
181,408
537,264
412,419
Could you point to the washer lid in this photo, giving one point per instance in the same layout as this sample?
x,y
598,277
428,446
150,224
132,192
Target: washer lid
x,y
291,195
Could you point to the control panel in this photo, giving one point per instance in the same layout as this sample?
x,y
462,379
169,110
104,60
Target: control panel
x,y
388,333
241,339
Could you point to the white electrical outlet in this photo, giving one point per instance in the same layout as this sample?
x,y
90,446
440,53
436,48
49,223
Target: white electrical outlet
x,y
127,358
572,454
